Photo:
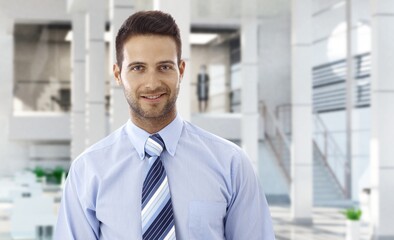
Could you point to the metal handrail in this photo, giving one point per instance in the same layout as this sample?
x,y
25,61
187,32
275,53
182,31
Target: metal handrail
x,y
329,139
269,113
327,150
273,132
327,133
276,130
324,157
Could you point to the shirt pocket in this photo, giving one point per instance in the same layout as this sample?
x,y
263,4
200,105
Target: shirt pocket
x,y
206,220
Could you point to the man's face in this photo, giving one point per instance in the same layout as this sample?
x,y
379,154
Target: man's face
x,y
150,76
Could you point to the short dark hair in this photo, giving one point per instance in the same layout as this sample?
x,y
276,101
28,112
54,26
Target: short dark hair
x,y
147,23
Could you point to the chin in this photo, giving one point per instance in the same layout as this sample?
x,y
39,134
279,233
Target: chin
x,y
158,112
154,114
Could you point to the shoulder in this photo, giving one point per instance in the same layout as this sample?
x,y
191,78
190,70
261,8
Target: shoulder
x,y
217,152
193,130
108,141
100,149
211,141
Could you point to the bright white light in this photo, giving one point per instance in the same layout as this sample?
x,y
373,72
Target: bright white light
x,y
69,36
195,38
201,38
107,36
363,38
336,46
338,5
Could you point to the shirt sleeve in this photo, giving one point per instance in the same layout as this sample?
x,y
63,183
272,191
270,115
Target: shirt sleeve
x,y
76,218
248,215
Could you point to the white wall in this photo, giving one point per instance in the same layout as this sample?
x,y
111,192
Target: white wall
x,y
274,53
40,127
225,125
28,11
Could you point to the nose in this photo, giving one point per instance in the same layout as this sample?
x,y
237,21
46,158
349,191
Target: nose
x,y
151,80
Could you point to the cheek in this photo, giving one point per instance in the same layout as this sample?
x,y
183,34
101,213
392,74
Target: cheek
x,y
173,85
128,83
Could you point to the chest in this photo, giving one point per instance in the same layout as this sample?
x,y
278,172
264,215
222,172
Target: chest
x,y
200,195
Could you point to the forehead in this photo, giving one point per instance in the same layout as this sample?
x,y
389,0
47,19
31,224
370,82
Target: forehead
x,y
149,47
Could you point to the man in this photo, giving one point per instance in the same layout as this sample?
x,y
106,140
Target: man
x,y
159,177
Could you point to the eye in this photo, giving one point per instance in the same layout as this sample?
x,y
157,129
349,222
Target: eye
x,y
137,68
165,67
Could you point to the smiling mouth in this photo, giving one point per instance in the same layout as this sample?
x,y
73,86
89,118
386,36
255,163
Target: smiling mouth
x,y
153,97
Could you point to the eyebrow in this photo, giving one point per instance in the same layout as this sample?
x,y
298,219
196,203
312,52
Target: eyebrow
x,y
143,63
135,63
166,61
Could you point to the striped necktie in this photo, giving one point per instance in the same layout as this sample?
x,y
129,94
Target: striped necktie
x,y
157,215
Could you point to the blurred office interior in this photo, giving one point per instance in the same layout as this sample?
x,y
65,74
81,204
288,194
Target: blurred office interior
x,y
304,86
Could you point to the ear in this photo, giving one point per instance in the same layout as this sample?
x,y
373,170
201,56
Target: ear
x,y
116,71
181,67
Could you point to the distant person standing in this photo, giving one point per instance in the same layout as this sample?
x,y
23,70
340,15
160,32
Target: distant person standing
x,y
203,89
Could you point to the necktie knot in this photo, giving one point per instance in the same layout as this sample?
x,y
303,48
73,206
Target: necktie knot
x,y
154,146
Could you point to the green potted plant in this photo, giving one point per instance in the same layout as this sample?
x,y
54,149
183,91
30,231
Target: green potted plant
x,y
353,217
58,173
40,174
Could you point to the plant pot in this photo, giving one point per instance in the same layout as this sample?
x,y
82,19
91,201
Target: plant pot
x,y
352,230
41,180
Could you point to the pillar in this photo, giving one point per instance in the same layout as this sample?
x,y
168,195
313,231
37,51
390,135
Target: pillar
x,y
120,10
78,76
382,118
249,87
274,31
180,10
6,88
95,71
301,190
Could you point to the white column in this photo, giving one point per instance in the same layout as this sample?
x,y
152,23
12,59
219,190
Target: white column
x,y
301,148
78,82
120,10
382,119
6,89
95,71
180,11
249,71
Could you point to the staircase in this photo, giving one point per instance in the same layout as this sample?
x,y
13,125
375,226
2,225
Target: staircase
x,y
327,190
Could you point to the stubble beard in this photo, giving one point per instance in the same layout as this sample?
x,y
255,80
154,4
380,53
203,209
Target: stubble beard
x,y
155,114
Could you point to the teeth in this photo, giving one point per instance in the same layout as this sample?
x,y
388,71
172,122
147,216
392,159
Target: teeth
x,y
152,97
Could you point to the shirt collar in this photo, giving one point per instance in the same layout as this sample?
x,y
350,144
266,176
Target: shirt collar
x,y
170,135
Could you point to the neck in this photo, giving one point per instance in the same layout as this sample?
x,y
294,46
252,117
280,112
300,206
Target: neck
x,y
152,125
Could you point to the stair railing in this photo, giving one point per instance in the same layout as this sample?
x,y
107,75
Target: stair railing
x,y
277,139
331,154
323,141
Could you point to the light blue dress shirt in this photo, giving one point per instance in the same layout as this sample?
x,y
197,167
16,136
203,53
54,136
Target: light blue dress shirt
x,y
215,193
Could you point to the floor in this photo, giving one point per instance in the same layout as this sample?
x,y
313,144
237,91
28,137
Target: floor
x,y
328,224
